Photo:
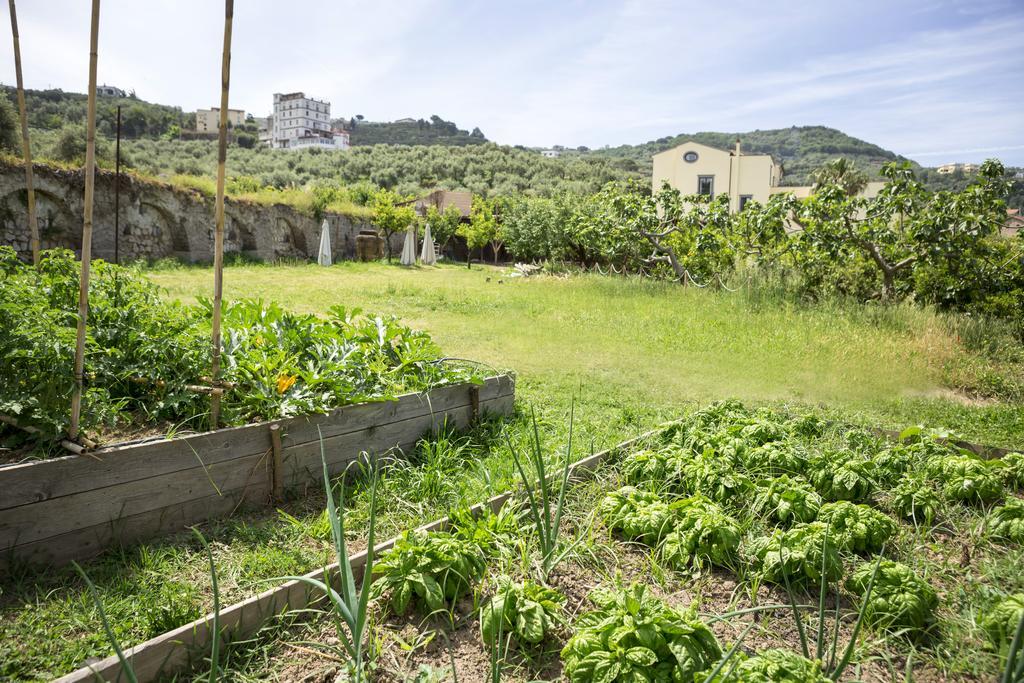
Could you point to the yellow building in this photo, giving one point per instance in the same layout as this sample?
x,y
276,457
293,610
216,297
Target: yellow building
x,y
207,120
693,168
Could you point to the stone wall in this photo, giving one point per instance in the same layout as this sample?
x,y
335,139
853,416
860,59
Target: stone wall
x,y
158,221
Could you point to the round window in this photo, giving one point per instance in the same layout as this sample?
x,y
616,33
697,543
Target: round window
x,y
690,157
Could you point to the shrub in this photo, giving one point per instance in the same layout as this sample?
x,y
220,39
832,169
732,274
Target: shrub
x,y
900,599
630,636
857,528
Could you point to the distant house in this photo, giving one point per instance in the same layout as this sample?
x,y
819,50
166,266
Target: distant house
x,y
301,122
208,120
342,139
441,200
110,91
947,169
1014,223
405,120
695,168
551,153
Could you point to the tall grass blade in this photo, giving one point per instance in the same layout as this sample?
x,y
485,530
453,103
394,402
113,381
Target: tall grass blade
x,y
730,654
1014,672
126,666
848,654
215,640
819,648
792,599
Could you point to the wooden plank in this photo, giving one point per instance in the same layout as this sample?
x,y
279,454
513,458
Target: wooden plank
x,y
172,651
136,510
27,523
33,482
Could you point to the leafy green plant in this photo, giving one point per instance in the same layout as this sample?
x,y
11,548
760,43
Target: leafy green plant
x,y
702,533
648,466
900,598
777,458
430,569
786,499
966,478
715,477
856,527
630,636
1001,620
1011,467
915,498
639,515
842,475
1006,522
347,607
487,529
527,610
801,555
772,666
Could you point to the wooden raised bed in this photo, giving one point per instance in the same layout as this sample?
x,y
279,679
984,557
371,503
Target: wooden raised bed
x,y
55,511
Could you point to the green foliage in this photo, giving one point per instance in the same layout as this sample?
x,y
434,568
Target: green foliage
x,y
489,530
786,499
776,458
528,611
1001,620
702,533
434,131
857,528
630,636
431,570
280,363
714,477
1011,467
10,138
966,478
843,475
797,554
899,599
914,497
639,515
772,666
389,217
1006,522
443,224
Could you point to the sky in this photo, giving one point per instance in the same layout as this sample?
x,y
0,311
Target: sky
x,y
934,80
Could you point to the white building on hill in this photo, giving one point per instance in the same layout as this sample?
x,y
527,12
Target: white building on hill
x,y
301,122
208,120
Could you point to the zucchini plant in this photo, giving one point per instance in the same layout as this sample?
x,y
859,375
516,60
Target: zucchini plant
x,y
966,478
787,500
528,611
638,515
703,533
630,636
857,528
799,555
430,569
1006,522
900,599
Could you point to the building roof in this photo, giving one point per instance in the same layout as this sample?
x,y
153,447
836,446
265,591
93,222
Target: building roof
x,y
692,142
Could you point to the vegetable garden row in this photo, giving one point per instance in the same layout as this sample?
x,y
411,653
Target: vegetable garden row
x,y
732,545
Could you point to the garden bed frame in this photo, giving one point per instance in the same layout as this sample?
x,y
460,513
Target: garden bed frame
x,y
72,507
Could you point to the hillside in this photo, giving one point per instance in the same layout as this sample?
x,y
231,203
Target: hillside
x,y
54,109
801,149
435,131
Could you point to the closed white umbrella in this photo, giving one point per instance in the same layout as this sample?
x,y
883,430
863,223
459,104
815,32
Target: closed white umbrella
x,y
324,256
409,248
427,254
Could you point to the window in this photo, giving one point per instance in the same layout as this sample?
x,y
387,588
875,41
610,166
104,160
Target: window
x,y
744,198
690,157
706,185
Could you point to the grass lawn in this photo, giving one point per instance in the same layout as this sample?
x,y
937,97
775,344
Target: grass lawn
x,y
632,352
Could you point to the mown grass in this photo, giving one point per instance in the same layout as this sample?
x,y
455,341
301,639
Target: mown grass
x,y
634,351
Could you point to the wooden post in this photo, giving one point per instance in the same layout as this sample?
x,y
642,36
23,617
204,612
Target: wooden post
x,y
26,148
218,235
90,180
277,475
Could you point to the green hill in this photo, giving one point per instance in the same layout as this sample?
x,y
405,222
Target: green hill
x,y
435,131
801,149
53,109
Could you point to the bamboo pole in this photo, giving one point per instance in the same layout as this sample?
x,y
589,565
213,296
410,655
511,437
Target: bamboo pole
x,y
90,179
26,148
218,235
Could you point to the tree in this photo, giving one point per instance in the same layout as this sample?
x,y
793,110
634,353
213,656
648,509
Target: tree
x,y
389,217
443,224
481,229
9,126
841,172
